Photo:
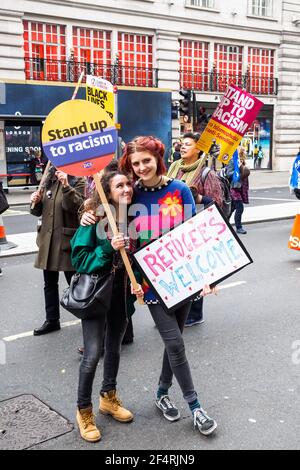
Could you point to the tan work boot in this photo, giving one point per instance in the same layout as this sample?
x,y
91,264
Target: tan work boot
x,y
110,404
87,426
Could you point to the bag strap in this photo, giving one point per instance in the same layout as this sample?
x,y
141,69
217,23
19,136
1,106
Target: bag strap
x,y
204,174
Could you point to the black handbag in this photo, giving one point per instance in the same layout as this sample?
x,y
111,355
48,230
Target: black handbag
x,y
89,295
3,201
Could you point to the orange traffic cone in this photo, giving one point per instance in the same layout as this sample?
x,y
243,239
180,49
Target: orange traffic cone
x,y
4,244
294,241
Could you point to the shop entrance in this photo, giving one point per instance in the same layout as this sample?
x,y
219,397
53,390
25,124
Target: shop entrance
x,y
257,141
24,157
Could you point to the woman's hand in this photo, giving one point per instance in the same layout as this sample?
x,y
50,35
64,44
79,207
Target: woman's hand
x,y
138,292
118,242
208,290
36,197
62,177
88,218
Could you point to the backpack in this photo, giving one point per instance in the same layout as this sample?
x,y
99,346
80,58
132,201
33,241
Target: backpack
x,y
225,185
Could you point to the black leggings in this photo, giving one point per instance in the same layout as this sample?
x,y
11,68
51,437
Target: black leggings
x,y
170,327
93,334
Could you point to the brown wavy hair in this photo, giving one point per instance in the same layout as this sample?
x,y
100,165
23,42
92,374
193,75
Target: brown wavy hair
x,y
108,174
144,144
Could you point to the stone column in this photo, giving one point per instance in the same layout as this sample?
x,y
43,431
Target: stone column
x,y
287,125
11,46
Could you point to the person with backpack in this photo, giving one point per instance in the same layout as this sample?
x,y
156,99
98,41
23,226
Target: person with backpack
x,y
206,188
239,189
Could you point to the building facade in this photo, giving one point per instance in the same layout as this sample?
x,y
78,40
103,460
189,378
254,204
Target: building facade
x,y
154,45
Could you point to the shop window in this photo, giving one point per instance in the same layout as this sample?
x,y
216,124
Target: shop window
x,y
258,144
45,51
22,140
261,70
194,65
135,53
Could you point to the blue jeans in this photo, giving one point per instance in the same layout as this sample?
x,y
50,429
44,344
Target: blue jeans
x,y
93,334
170,327
238,207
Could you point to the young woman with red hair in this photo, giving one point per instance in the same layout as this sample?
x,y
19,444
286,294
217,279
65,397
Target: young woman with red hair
x,y
166,203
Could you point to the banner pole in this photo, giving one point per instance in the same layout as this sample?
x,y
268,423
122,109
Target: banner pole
x,y
42,182
115,231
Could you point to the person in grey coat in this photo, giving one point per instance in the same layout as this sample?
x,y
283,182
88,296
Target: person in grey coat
x,y
58,208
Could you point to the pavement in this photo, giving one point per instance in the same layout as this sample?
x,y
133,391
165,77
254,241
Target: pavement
x,y
259,179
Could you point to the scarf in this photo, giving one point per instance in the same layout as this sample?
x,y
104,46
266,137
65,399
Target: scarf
x,y
186,173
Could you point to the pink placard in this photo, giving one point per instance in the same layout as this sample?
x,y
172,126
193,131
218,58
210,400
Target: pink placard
x,y
237,109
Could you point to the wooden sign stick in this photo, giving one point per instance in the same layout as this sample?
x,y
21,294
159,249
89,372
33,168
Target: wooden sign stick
x,y
42,182
115,231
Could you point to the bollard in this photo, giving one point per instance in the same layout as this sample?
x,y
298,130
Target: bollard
x,y
4,244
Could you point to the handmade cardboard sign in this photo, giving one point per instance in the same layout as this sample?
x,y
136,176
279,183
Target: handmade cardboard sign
x,y
230,121
202,250
101,92
79,138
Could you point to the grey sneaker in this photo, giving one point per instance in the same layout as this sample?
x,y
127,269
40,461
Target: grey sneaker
x,y
169,410
241,231
203,422
189,323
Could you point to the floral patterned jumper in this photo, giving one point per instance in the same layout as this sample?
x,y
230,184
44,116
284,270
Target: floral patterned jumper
x,y
158,210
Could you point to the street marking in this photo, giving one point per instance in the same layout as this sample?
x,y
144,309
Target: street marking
x,y
272,199
232,284
297,269
9,339
14,213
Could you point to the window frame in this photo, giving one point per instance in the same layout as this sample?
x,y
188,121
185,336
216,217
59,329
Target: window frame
x,y
44,59
199,64
258,6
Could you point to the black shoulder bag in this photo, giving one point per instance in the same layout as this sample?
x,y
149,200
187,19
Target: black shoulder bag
x,y
89,295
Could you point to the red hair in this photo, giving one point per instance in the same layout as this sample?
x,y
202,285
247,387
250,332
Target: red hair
x,y
144,144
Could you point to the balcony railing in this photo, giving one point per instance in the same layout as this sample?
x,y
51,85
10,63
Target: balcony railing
x,y
217,83
69,71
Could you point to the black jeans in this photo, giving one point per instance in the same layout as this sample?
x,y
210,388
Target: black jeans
x,y
238,207
93,333
170,327
51,292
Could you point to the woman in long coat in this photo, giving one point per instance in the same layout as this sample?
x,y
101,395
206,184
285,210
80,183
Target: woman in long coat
x,y
58,207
